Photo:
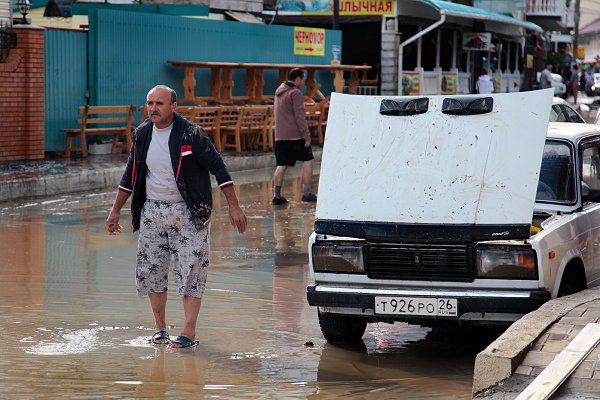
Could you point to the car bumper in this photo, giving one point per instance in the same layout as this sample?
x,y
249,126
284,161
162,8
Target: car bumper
x,y
500,305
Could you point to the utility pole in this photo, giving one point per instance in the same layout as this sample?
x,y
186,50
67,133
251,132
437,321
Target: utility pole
x,y
576,29
336,14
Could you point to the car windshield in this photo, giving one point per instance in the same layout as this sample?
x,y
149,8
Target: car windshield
x,y
557,174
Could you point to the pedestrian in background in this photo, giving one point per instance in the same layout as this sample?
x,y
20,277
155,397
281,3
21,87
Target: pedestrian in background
x,y
546,77
589,82
292,137
574,82
484,84
167,175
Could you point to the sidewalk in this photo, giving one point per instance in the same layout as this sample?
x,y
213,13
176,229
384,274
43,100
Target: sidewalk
x,y
44,178
531,343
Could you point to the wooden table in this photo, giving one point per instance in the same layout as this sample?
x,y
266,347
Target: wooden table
x,y
221,88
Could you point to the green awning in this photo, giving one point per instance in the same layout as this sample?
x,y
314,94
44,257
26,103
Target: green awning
x,y
464,15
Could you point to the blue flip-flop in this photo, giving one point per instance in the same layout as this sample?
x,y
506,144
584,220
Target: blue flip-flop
x,y
183,342
161,337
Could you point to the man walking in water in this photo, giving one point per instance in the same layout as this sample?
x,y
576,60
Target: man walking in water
x,y
292,137
167,175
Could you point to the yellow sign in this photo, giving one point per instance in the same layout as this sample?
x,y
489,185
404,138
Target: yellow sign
x,y
372,7
411,83
529,61
309,41
345,7
449,82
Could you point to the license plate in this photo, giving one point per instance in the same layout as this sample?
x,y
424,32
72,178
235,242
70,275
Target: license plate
x,y
442,307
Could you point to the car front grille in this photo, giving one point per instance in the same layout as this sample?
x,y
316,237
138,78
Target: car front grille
x,y
419,262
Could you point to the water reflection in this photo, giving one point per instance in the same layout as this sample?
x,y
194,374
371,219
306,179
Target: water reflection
x,y
73,327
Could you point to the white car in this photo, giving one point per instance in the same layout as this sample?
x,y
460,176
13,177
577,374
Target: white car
x,y
562,111
451,209
558,84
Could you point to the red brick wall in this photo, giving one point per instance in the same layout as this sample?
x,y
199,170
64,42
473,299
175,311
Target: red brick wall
x,y
22,97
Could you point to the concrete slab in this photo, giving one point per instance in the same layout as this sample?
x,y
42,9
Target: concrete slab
x,y
497,363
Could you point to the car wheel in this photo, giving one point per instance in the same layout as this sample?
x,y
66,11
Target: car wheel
x,y
569,284
342,329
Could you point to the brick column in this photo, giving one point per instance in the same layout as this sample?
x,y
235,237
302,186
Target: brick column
x,y
22,97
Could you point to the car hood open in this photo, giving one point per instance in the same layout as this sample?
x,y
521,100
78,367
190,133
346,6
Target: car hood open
x,y
446,167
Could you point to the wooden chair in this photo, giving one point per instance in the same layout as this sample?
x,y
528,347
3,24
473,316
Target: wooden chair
x,y
209,118
313,116
249,132
365,80
101,120
270,128
186,112
322,121
143,113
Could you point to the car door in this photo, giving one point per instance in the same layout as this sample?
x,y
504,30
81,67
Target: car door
x,y
590,180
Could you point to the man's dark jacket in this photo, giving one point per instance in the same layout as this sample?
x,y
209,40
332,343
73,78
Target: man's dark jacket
x,y
193,157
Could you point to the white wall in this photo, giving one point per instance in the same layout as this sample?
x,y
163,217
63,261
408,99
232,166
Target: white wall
x,y
5,12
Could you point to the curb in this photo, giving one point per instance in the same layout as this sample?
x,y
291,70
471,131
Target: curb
x,y
501,358
103,173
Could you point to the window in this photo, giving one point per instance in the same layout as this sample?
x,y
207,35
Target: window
x,y
572,115
590,169
556,114
557,174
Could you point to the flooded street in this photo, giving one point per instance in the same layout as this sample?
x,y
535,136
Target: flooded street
x,y
73,327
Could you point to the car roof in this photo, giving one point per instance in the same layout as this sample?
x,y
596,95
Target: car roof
x,y
558,100
570,131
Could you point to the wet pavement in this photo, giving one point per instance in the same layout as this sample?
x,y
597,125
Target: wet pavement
x,y
73,327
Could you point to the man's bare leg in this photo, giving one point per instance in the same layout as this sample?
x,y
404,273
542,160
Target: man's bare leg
x,y
158,303
307,170
278,182
191,309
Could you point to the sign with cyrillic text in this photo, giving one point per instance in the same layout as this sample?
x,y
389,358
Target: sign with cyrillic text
x,y
309,41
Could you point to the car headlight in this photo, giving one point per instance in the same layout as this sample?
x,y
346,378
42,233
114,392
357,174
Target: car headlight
x,y
338,257
516,262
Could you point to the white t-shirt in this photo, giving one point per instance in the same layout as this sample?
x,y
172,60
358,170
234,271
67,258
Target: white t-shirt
x,y
484,85
160,181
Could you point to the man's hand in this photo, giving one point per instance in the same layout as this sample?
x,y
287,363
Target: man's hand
x,y
236,214
112,226
307,142
238,218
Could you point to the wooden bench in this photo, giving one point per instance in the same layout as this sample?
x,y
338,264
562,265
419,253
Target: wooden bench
x,y
101,120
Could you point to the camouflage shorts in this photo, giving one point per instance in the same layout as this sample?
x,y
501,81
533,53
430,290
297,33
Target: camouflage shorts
x,y
167,235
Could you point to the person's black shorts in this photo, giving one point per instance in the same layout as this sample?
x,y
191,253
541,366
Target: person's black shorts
x,y
287,152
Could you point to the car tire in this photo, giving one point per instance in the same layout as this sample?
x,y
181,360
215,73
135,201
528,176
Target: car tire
x,y
342,329
569,284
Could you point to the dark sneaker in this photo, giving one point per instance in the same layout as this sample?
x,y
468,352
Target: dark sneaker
x,y
278,201
309,197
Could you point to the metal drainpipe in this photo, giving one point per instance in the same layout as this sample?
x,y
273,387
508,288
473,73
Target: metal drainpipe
x,y
409,41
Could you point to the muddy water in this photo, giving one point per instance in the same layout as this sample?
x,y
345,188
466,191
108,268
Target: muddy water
x,y
71,325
